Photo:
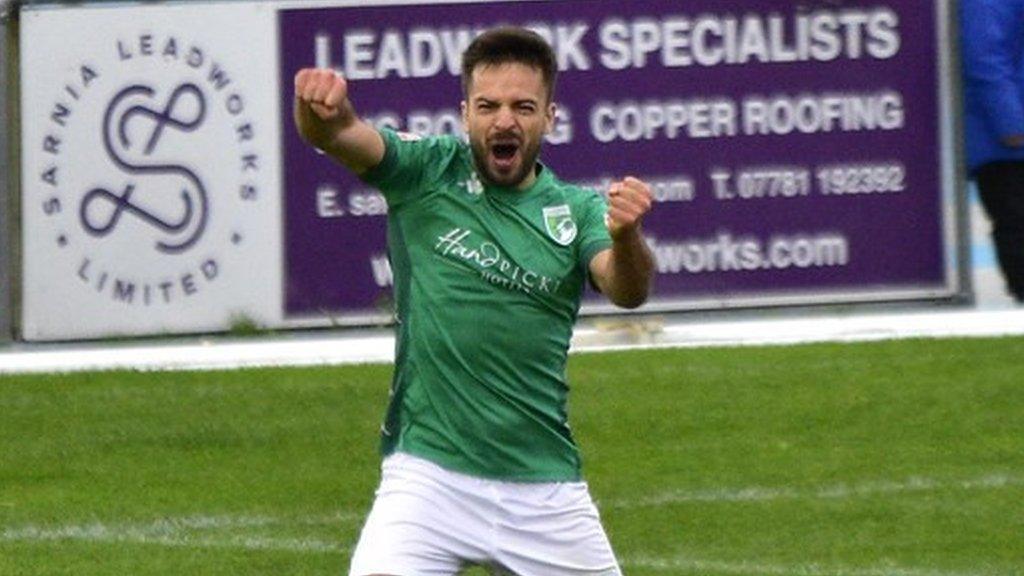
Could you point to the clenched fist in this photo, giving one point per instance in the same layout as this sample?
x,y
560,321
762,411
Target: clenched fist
x,y
322,107
323,90
628,201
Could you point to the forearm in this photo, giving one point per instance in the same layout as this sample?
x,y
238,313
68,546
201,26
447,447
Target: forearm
x,y
630,269
349,141
623,273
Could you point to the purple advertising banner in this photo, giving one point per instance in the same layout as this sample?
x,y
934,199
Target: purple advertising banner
x,y
793,147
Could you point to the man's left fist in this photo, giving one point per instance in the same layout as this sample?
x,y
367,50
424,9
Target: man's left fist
x,y
628,201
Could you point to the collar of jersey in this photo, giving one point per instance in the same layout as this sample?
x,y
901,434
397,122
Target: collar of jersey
x,y
515,195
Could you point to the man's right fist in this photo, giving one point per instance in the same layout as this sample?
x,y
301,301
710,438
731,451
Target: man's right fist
x,y
326,119
324,91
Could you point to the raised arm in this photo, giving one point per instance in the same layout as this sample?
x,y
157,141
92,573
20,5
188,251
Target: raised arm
x,y
326,119
623,272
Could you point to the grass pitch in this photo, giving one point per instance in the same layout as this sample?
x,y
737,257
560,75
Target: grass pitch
x,y
901,458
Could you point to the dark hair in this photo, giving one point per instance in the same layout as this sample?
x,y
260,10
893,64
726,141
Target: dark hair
x,y
506,45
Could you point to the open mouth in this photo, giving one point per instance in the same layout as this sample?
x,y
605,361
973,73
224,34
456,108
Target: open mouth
x,y
504,153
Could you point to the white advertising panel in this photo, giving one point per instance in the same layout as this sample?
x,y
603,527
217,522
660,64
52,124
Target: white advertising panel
x,y
151,180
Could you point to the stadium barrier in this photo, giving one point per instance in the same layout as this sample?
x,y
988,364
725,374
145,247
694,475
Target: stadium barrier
x,y
798,156
7,183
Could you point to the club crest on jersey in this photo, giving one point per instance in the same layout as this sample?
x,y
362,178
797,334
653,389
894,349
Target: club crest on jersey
x,y
559,224
473,186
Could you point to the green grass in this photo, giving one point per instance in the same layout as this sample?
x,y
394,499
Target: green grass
x,y
902,458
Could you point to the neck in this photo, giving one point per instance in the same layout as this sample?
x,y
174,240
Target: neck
x,y
530,178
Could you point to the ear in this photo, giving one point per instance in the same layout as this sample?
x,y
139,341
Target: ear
x,y
549,118
465,116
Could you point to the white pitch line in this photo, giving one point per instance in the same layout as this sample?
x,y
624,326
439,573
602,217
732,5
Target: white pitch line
x,y
836,492
301,545
179,533
99,533
201,531
700,567
174,527
170,531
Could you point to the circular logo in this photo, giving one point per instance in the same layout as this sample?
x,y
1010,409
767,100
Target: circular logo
x,y
150,169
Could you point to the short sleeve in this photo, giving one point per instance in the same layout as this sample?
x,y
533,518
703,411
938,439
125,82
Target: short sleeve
x,y
593,231
410,166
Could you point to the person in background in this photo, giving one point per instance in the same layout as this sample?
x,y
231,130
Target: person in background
x,y
491,253
992,41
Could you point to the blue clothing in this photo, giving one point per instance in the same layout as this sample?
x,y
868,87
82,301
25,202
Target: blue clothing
x,y
992,43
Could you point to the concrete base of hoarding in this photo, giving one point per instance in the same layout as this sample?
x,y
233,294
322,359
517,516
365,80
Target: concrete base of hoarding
x,y
351,347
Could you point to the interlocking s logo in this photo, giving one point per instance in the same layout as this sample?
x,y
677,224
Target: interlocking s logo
x,y
129,114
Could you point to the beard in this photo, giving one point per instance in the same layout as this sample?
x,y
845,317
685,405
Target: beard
x,y
492,172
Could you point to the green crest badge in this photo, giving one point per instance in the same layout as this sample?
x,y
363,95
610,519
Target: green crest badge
x,y
559,224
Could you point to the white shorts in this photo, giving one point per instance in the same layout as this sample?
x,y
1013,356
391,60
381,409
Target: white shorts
x,y
428,521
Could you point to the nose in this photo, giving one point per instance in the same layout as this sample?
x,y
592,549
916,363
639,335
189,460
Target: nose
x,y
505,119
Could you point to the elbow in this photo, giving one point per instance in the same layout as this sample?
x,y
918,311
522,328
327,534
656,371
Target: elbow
x,y
631,304
630,301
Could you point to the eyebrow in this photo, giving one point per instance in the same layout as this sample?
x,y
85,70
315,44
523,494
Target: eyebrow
x,y
486,100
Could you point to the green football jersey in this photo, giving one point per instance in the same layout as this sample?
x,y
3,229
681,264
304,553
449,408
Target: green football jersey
x,y
487,282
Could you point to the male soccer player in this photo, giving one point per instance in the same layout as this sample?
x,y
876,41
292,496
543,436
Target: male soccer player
x,y
490,253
